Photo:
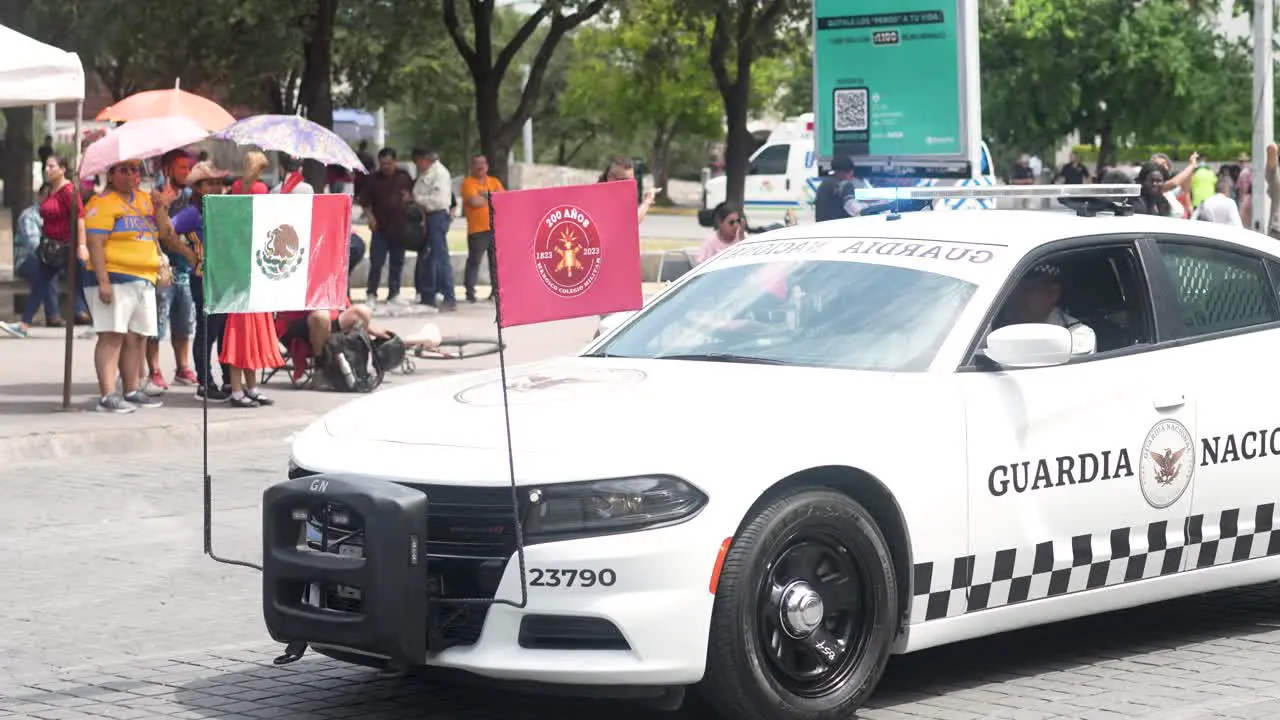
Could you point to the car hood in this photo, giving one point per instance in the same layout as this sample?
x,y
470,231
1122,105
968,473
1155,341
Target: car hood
x,y
601,404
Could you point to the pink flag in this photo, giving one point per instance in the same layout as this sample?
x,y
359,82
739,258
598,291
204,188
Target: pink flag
x,y
567,252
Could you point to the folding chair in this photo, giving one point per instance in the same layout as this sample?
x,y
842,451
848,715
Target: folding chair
x,y
293,346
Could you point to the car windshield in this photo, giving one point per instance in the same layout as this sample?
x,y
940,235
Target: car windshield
x,y
818,313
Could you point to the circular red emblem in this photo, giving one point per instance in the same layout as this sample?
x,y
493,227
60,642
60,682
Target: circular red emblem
x,y
567,250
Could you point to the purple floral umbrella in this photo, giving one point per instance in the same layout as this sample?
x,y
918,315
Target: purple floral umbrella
x,y
294,136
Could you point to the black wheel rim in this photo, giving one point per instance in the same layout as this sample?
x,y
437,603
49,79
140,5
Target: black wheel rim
x,y
813,657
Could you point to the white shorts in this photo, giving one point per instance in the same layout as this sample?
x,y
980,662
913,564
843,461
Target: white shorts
x,y
132,309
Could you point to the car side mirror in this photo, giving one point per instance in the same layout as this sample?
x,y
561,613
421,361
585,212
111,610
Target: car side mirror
x,y
1029,345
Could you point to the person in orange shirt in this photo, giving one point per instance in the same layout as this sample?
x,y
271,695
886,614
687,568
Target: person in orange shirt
x,y
476,189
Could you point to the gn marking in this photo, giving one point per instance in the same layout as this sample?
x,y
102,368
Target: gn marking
x,y
319,486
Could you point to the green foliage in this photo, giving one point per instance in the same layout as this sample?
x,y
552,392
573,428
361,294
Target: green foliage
x,y
644,75
1149,70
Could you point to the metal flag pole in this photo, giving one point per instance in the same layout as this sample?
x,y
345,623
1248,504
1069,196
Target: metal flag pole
x,y
1263,110
73,262
518,526
206,347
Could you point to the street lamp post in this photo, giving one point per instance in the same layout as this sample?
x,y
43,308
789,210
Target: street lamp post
x,y
1263,108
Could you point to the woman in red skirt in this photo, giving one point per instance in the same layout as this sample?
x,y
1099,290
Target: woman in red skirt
x,y
249,343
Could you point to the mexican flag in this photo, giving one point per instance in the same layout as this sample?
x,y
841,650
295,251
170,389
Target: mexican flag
x,y
271,253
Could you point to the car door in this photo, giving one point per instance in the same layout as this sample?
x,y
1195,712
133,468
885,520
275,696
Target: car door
x,y
1231,335
1063,486
767,195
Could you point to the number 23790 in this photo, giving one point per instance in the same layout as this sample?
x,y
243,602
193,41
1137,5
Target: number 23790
x,y
571,577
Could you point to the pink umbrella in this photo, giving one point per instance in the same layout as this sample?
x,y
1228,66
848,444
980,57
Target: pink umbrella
x,y
140,139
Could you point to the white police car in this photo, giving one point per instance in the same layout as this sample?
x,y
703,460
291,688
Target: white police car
x,y
808,454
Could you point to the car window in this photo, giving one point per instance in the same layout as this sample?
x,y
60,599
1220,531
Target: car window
x,y
1098,288
1219,290
818,313
771,161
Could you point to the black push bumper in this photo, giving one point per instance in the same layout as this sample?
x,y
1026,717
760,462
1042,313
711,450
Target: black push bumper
x,y
391,618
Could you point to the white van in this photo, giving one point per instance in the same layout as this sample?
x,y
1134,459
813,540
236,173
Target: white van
x,y
783,175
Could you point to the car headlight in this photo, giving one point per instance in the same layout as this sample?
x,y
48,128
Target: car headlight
x,y
600,507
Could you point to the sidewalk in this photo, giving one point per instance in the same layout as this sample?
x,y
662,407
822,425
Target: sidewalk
x,y
33,425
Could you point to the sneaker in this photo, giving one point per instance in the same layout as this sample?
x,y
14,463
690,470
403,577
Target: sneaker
x,y
260,398
13,329
244,401
148,386
185,376
114,404
449,307
157,380
216,394
143,400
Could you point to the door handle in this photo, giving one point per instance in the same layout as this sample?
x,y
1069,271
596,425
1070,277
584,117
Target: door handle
x,y
788,183
1169,400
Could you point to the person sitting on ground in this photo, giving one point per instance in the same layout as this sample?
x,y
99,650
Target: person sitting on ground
x,y
306,332
315,326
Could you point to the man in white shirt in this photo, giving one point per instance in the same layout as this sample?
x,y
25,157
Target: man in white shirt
x,y
1220,208
433,192
1035,300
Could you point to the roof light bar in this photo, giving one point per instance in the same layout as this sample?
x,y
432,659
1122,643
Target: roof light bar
x,y
1083,192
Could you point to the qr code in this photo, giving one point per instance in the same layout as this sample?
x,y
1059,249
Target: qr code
x,y
851,110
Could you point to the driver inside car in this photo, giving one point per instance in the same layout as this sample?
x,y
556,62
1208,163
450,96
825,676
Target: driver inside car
x,y
1036,300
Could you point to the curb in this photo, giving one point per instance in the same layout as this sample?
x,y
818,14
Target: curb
x,y
132,440
675,210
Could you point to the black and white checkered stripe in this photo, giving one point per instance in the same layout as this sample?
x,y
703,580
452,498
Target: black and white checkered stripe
x,y
1049,569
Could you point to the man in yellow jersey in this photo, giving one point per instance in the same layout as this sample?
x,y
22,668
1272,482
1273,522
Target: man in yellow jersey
x,y
123,227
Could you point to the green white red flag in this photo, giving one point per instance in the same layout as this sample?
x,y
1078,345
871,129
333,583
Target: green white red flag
x,y
272,253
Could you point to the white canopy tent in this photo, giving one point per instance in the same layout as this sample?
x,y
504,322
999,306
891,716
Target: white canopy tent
x,y
33,73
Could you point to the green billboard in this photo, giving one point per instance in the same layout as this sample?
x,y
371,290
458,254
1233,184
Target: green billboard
x,y
888,78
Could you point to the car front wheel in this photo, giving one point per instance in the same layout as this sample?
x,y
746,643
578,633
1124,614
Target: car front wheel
x,y
805,611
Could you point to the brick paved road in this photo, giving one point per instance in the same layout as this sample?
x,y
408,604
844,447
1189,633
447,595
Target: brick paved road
x,y
111,611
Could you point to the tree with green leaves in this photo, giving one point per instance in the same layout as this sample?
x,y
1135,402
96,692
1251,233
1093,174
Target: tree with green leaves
x,y
644,75
1153,70
489,64
742,32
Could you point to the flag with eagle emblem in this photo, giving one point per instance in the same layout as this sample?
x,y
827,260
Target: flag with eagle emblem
x,y
567,252
272,253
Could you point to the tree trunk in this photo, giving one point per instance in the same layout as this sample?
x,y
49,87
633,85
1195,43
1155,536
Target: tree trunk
x,y
468,141
562,148
738,142
1106,149
489,124
18,157
15,162
317,79
661,163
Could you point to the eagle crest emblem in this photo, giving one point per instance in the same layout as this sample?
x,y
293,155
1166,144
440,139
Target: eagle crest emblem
x,y
281,253
1167,465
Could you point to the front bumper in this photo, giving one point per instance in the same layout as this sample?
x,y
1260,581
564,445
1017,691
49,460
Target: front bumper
x,y
642,620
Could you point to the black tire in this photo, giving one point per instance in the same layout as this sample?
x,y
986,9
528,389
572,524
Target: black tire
x,y
745,676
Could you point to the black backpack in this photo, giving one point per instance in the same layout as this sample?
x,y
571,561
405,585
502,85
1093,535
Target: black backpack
x,y
389,352
350,363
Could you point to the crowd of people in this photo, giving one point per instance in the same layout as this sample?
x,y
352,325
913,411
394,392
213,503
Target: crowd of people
x,y
140,283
